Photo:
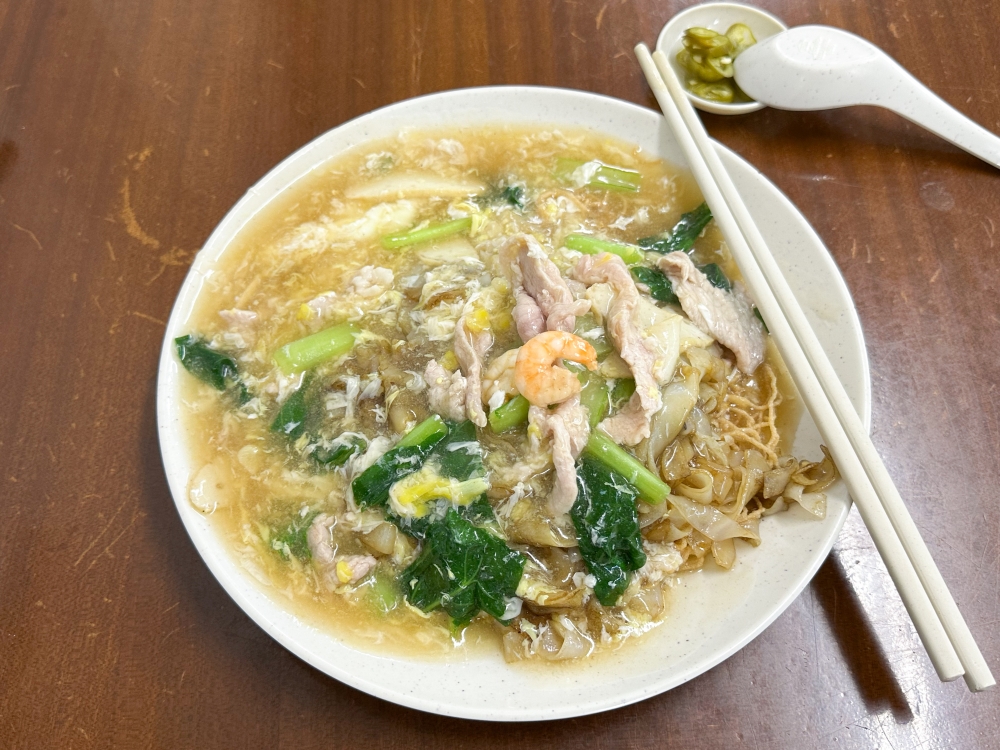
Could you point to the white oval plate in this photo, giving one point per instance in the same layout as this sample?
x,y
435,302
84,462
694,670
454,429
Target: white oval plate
x,y
714,614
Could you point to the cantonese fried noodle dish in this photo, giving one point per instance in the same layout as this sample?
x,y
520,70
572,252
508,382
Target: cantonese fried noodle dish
x,y
495,386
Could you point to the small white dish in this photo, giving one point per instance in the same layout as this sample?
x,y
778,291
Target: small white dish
x,y
718,17
714,613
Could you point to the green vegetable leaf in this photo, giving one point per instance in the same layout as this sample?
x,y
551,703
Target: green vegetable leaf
x,y
291,417
715,276
291,539
511,195
659,285
330,455
630,469
761,319
461,457
622,392
371,487
460,453
514,195
479,511
216,368
607,528
462,569
684,233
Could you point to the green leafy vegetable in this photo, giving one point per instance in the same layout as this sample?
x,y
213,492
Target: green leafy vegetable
x,y
659,285
511,195
514,195
462,569
684,233
306,353
590,245
761,319
715,276
607,528
460,453
371,487
622,392
291,540
291,417
461,457
216,368
426,234
337,453
479,511
633,471
458,456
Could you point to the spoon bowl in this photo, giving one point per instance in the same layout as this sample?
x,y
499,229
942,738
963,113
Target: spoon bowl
x,y
718,17
821,67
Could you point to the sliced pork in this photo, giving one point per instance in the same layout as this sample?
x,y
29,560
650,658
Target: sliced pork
x,y
568,428
528,317
542,280
445,391
544,300
727,316
471,348
628,340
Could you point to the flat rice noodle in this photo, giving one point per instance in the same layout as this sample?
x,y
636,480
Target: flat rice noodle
x,y
710,521
777,478
415,185
449,250
679,399
724,553
754,468
812,502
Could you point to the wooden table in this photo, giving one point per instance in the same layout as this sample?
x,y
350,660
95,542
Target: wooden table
x,y
127,130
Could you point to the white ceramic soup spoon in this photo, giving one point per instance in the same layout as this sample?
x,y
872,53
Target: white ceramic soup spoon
x,y
820,67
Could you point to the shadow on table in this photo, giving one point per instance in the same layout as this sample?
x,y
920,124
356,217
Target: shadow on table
x,y
857,642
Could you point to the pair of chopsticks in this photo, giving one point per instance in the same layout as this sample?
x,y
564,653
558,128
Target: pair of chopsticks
x,y
940,625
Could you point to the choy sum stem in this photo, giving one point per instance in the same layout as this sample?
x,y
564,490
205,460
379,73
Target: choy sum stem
x,y
585,243
511,414
605,450
601,175
432,232
310,351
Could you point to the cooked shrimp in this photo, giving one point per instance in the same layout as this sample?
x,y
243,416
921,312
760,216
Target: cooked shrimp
x,y
536,374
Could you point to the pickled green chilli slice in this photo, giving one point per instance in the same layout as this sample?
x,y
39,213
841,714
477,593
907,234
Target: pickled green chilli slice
x,y
707,60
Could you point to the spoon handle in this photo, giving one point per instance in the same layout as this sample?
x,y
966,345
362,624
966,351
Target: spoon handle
x,y
917,103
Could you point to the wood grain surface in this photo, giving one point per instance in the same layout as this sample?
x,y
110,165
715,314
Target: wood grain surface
x,y
126,132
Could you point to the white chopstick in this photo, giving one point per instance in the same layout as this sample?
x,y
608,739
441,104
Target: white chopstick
x,y
941,627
